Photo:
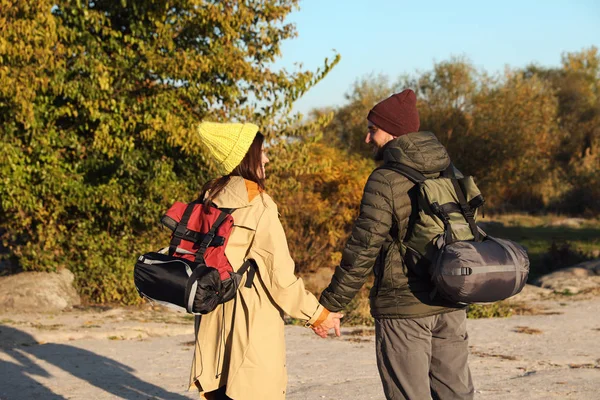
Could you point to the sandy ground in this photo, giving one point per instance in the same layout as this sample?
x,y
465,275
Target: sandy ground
x,y
146,354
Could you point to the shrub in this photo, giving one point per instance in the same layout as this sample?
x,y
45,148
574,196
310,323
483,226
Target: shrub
x,y
98,104
318,189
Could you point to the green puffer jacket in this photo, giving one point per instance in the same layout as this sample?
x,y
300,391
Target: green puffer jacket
x,y
375,243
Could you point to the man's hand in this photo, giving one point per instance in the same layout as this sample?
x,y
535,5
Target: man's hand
x,y
331,322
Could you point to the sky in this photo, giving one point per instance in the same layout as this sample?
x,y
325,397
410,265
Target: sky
x,y
399,37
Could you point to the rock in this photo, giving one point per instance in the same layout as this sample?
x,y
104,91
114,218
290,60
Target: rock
x,y
575,279
569,222
593,266
38,292
530,293
579,272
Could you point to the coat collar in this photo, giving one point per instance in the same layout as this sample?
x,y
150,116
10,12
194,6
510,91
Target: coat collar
x,y
238,193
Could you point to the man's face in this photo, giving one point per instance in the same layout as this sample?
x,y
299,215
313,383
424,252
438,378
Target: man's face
x,y
378,138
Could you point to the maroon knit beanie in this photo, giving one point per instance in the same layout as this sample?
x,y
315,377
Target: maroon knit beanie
x,y
397,115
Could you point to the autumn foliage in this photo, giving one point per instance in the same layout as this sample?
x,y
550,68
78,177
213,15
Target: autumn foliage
x,y
531,136
98,106
99,100
318,189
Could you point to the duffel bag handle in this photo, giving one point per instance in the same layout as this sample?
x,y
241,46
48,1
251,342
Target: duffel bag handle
x,y
192,286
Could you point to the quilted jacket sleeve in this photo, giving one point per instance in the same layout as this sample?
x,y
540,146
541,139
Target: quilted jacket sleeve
x,y
369,233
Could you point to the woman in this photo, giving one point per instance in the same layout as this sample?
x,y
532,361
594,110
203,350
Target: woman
x,y
240,347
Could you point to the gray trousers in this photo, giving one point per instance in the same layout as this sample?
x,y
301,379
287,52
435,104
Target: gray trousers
x,y
424,358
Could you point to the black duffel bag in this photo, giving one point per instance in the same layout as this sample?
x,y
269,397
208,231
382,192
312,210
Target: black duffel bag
x,y
193,286
480,271
193,273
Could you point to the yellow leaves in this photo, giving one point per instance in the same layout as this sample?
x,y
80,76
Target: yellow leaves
x,y
178,133
586,61
104,81
109,144
148,134
82,90
3,46
27,54
318,189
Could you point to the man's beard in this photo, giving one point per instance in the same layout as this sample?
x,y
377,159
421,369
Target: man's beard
x,y
378,153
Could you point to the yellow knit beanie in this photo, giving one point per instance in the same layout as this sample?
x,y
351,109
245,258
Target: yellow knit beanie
x,y
227,143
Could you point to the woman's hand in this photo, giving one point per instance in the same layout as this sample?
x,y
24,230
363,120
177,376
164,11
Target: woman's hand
x,y
331,322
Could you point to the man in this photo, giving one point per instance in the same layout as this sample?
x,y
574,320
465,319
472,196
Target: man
x,y
421,343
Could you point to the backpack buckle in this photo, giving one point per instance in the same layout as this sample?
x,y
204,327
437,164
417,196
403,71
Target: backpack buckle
x,y
468,212
437,210
180,231
208,238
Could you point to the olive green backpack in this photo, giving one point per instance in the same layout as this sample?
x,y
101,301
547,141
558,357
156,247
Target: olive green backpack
x,y
465,264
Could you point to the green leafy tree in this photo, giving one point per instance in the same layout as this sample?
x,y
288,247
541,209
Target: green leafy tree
x,y
99,103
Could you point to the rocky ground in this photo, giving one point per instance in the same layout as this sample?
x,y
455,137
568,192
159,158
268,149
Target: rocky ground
x,y
104,353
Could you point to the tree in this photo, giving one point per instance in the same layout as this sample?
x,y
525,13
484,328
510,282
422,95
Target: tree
x,y
318,188
576,159
99,119
513,139
348,127
445,98
502,130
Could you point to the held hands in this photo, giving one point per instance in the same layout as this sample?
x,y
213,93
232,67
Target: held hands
x,y
331,322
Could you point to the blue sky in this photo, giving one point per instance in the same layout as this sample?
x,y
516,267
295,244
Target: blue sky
x,y
397,37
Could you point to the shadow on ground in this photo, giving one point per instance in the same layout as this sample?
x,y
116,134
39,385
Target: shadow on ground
x,y
24,352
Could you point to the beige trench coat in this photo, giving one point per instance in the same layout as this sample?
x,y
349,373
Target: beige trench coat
x,y
241,344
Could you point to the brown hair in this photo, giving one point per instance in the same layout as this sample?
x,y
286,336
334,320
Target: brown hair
x,y
247,169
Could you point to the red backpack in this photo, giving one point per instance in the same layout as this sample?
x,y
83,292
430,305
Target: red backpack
x,y
195,273
190,225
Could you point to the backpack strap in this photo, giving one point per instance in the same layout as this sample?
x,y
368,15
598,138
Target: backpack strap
x,y
451,172
250,267
442,213
181,229
466,209
412,174
210,235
